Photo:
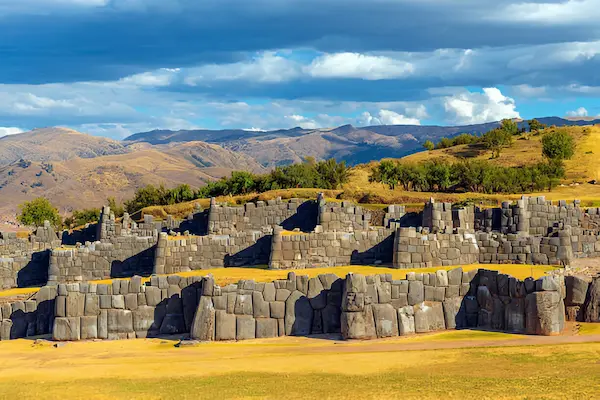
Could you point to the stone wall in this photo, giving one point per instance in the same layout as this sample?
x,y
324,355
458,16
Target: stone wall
x,y
416,249
321,249
126,309
122,256
536,216
185,253
294,213
27,318
24,261
377,306
343,217
444,218
296,306
357,307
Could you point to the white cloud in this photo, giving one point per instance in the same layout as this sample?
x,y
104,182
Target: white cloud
x,y
580,112
162,77
530,91
562,13
474,108
268,67
386,117
4,131
359,66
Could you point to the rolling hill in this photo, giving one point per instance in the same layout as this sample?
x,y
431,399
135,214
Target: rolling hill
x,y
349,143
75,170
56,144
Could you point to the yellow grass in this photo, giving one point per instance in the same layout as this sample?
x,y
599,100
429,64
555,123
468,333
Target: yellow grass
x,y
295,368
18,291
586,328
225,276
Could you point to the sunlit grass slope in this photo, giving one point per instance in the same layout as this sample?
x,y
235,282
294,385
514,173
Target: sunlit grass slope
x,y
297,368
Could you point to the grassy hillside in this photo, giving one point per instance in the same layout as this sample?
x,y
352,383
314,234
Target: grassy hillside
x,y
581,169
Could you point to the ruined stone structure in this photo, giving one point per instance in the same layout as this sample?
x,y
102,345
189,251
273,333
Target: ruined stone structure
x,y
289,234
357,307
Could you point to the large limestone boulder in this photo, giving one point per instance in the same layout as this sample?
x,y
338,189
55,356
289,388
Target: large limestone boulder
x,y
203,327
66,328
454,314
544,312
429,317
298,315
386,320
359,324
577,289
514,315
406,320
592,304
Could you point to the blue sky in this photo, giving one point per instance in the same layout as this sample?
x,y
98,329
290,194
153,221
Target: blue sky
x,y
116,67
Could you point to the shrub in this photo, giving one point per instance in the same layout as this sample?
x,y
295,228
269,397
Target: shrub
x,y
558,145
428,145
82,217
36,211
477,176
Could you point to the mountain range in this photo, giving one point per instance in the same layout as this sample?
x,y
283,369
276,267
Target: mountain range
x,y
75,170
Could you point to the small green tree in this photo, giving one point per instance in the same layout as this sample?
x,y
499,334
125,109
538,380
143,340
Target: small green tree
x,y
558,145
535,125
428,145
510,127
36,211
496,139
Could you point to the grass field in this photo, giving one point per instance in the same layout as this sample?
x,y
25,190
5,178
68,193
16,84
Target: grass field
x,y
301,368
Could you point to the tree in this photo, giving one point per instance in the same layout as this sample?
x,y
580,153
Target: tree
x,y
332,175
558,145
241,182
496,139
428,145
36,211
510,127
535,125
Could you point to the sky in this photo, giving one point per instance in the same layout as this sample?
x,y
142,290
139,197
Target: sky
x,y
117,67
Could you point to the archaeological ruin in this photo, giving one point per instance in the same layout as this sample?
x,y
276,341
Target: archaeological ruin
x,y
157,298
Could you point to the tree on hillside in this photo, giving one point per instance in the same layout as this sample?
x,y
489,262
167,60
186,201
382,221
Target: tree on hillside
x,y
496,139
241,182
558,145
510,127
535,125
36,211
331,174
428,145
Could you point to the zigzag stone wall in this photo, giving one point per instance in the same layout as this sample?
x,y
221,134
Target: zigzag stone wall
x,y
357,307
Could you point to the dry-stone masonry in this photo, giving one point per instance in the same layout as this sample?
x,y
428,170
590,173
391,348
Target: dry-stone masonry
x,y
357,307
304,234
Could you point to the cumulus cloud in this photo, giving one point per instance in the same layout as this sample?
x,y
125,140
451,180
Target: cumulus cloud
x,y
475,108
580,112
359,66
4,131
386,117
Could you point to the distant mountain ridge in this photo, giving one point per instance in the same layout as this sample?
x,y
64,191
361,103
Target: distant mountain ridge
x,y
352,144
